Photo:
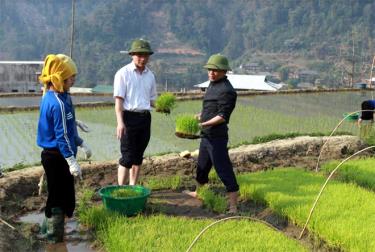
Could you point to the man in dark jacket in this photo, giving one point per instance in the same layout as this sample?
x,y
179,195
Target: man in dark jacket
x,y
218,104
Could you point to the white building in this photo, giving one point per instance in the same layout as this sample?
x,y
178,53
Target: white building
x,y
20,76
247,82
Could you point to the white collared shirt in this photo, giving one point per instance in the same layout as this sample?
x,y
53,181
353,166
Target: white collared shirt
x,y
136,89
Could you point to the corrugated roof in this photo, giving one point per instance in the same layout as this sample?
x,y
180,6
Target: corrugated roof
x,y
247,82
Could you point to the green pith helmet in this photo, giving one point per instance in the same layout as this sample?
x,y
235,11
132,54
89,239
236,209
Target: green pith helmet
x,y
218,62
140,46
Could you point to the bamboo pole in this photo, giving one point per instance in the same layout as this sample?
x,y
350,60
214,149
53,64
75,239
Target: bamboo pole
x,y
6,223
72,30
372,67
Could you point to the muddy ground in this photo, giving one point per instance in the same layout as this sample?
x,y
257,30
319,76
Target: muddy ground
x,y
19,189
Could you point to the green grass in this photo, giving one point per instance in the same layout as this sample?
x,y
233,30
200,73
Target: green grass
x,y
359,171
343,216
165,182
163,233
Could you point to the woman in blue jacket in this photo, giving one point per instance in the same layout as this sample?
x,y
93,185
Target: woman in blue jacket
x,y
57,135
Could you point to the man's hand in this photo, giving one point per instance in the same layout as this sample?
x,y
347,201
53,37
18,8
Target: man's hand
x,y
82,126
74,167
120,130
86,150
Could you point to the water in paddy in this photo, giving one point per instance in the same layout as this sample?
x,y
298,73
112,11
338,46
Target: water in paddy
x,y
75,241
253,116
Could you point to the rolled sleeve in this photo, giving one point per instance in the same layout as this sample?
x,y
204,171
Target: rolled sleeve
x,y
119,87
226,104
153,94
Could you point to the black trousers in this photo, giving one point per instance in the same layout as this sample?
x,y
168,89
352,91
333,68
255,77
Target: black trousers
x,y
60,183
136,138
215,152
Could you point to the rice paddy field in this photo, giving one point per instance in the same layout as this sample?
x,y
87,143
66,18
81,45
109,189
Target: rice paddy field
x,y
342,220
254,116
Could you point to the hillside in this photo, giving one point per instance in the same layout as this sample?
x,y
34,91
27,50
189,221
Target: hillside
x,y
280,37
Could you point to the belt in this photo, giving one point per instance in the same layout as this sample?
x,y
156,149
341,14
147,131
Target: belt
x,y
138,111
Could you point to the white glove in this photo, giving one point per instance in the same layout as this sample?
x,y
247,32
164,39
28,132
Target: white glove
x,y
86,150
74,168
82,126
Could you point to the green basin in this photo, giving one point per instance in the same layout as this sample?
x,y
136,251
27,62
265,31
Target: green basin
x,y
128,206
353,117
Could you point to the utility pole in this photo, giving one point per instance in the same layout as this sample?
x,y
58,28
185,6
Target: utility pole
x,y
72,29
372,67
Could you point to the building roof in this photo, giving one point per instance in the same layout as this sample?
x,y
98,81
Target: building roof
x,y
247,82
103,89
22,62
80,90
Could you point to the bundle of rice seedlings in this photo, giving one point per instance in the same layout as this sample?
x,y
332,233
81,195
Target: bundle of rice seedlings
x,y
165,103
125,193
187,126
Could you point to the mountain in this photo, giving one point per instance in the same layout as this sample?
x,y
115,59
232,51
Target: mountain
x,y
279,36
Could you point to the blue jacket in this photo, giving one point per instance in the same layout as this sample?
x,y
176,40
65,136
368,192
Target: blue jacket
x,y
57,127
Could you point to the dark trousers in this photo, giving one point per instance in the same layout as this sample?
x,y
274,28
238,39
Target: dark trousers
x,y
215,152
136,138
60,183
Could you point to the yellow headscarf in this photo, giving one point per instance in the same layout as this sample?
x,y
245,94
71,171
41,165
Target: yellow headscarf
x,y
57,68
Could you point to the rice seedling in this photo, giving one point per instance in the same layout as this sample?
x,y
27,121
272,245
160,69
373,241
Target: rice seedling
x,y
358,171
169,182
125,193
211,200
342,221
165,103
165,233
187,125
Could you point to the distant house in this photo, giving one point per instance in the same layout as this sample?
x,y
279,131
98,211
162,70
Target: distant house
x,y
307,76
20,76
360,85
80,90
305,85
247,82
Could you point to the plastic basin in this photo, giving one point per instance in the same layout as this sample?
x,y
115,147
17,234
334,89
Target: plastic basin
x,y
353,117
128,206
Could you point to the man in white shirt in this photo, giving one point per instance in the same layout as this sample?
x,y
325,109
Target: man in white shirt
x,y
134,93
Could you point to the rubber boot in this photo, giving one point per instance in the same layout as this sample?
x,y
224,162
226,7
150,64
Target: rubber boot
x,y
55,226
43,228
